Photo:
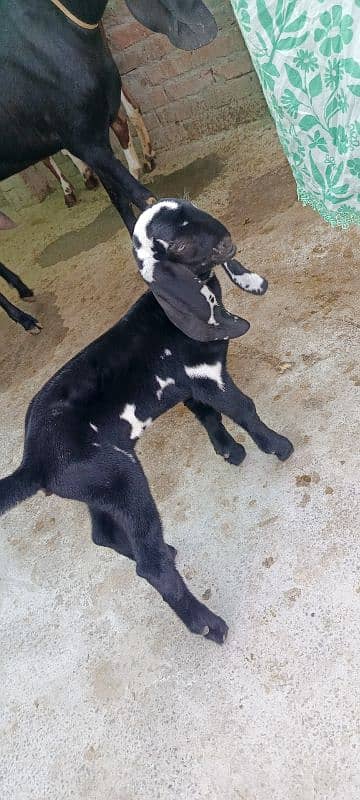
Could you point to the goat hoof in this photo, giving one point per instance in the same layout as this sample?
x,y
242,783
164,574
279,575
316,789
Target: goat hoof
x,y
91,182
284,449
28,298
234,454
35,329
209,625
217,631
70,200
149,164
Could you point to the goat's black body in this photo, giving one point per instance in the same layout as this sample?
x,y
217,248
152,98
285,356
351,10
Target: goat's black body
x,y
65,455
82,427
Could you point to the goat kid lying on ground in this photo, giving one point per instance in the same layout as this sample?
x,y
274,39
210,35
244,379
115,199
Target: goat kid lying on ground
x,y
82,427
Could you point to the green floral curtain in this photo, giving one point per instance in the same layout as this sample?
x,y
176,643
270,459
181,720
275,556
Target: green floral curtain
x,y
307,56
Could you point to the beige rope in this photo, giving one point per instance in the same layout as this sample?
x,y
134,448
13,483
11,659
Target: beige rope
x,y
76,20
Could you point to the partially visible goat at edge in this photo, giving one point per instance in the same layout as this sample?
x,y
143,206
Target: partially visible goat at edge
x,y
121,130
82,427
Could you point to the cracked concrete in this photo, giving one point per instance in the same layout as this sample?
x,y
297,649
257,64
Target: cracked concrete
x,y
103,693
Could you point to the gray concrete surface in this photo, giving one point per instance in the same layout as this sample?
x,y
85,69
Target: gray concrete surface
x,y
104,695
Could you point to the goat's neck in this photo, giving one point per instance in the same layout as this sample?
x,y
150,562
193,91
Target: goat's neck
x,y
89,11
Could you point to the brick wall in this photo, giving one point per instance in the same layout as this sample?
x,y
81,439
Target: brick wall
x,y
183,95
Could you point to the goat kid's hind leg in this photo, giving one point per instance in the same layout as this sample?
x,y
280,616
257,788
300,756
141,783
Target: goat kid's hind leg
x,y
156,565
222,442
28,322
241,409
13,280
106,532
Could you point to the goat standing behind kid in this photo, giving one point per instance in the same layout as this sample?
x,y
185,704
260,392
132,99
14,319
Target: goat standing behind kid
x,y
82,427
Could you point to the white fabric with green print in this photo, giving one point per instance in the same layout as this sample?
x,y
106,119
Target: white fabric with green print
x,y
307,56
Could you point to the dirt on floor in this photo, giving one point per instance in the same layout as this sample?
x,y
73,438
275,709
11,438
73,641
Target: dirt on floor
x,y
104,693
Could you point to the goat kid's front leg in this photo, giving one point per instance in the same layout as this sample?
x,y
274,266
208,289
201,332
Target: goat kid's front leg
x,y
222,442
229,400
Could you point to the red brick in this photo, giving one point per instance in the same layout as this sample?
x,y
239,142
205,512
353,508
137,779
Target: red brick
x,y
233,67
192,84
166,138
151,120
129,59
127,34
177,111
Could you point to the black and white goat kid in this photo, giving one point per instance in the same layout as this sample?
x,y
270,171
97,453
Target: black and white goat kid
x,y
82,427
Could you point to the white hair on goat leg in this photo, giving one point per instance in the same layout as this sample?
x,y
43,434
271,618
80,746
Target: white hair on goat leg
x,y
145,252
137,425
210,371
211,299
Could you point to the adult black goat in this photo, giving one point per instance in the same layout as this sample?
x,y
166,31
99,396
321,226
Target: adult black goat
x,y
171,347
60,86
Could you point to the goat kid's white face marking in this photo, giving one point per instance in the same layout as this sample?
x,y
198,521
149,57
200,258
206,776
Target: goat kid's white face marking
x,y
145,252
137,425
249,281
163,384
210,371
211,299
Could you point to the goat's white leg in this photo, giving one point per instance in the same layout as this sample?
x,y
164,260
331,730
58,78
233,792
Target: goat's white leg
x,y
123,135
136,118
90,179
68,189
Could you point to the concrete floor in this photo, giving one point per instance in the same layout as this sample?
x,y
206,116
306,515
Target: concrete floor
x,y
104,695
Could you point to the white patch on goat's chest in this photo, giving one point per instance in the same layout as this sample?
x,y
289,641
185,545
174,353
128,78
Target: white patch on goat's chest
x,y
210,371
163,383
211,299
137,425
145,252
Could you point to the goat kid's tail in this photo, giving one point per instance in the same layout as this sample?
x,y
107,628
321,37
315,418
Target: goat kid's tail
x,y
17,487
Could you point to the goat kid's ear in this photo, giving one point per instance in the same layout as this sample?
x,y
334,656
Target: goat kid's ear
x,y
248,281
192,306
